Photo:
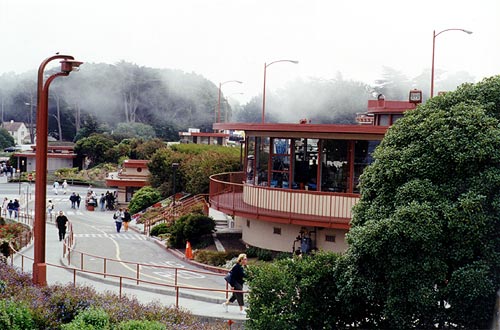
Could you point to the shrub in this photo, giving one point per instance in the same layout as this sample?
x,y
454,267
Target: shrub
x,y
191,227
264,255
160,229
91,318
15,316
65,173
144,197
214,258
204,242
283,255
252,251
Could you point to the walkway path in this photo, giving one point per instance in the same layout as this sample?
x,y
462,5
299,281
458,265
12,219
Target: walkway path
x,y
95,234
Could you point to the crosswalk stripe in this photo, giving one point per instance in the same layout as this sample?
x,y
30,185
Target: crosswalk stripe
x,y
122,236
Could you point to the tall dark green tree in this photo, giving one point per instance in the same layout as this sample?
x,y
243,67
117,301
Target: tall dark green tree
x,y
95,148
424,244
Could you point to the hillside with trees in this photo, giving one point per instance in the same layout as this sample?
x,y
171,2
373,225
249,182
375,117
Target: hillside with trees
x,y
120,98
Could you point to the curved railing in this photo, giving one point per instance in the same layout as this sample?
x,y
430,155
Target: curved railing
x,y
229,194
75,272
81,270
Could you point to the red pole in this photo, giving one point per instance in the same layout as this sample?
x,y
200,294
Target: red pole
x,y
39,266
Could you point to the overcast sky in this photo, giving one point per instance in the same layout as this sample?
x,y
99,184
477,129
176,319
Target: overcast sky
x,y
232,39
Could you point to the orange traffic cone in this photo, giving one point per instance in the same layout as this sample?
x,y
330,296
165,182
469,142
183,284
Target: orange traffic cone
x,y
189,251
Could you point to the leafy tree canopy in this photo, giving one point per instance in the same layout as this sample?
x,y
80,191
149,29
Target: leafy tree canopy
x,y
95,148
144,197
424,244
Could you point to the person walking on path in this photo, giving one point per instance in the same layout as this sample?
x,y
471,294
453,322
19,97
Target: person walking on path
x,y
118,217
126,219
50,208
65,187
78,200
16,207
102,202
72,198
61,222
237,275
56,187
10,208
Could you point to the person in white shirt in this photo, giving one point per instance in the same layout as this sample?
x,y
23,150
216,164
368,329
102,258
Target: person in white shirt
x,y
65,186
56,187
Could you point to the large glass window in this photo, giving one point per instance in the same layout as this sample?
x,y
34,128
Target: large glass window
x,y
280,168
262,160
334,166
384,120
309,164
250,159
300,165
363,151
305,169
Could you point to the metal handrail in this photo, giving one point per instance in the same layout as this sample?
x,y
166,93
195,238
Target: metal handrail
x,y
177,287
68,250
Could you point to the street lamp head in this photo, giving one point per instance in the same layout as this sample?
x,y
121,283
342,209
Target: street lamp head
x,y
467,31
68,66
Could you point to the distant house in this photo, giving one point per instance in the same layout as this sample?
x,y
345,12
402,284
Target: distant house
x,y
18,131
133,175
193,135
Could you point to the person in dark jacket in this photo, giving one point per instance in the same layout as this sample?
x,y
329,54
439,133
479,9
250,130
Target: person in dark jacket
x,y
237,278
61,222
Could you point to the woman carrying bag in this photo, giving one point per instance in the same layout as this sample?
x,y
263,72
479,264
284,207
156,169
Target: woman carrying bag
x,y
237,275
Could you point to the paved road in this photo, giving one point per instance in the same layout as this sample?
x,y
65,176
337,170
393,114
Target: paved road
x,y
95,234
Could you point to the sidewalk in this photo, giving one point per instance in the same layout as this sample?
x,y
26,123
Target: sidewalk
x,y
195,302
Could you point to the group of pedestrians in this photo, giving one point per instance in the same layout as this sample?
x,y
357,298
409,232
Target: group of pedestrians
x,y
75,200
107,201
122,217
10,207
64,187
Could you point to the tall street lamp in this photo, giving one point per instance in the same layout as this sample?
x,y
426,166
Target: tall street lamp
x,y
68,64
434,35
264,91
220,88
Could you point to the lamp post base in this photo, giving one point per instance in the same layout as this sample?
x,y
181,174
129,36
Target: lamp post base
x,y
40,274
